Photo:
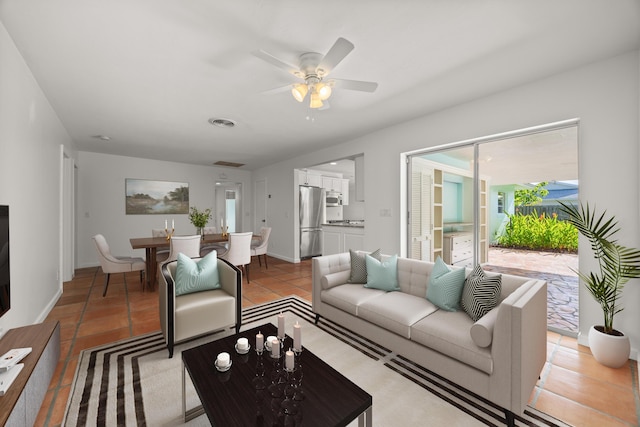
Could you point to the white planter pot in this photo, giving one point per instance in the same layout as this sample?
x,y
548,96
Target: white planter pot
x,y
609,350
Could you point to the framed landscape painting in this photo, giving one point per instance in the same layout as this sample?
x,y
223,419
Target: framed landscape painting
x,y
147,197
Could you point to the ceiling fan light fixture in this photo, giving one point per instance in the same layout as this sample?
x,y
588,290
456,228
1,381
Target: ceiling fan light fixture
x,y
299,91
316,101
324,90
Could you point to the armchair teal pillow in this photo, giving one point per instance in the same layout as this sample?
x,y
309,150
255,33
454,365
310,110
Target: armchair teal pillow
x,y
382,275
481,293
196,275
445,286
359,266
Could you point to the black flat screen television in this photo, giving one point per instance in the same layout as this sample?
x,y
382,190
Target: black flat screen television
x,y
5,275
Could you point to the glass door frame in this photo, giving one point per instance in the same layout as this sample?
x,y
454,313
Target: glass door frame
x,y
475,143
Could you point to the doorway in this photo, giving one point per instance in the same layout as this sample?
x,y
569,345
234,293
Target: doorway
x,y
228,206
462,197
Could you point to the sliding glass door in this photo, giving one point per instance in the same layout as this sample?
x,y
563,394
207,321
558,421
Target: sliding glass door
x,y
461,196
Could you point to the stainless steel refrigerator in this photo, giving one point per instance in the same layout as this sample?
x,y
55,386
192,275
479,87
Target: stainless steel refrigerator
x,y
311,218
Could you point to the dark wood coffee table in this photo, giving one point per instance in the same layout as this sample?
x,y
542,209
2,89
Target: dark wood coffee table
x,y
257,390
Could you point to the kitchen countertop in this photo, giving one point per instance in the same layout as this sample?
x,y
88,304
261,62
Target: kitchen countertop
x,y
344,224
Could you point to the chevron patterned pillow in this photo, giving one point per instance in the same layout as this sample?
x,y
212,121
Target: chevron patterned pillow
x,y
359,266
481,293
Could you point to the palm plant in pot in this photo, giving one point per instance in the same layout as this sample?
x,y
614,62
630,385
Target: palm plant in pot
x,y
617,265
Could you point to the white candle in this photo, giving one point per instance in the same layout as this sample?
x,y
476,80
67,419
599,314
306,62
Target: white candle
x,y
280,325
165,224
275,348
173,227
243,343
259,341
297,337
221,225
223,359
289,360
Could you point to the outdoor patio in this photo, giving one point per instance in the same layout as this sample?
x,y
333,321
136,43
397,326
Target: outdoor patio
x,y
555,268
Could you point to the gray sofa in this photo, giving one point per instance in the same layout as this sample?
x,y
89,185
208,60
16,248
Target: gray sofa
x,y
499,357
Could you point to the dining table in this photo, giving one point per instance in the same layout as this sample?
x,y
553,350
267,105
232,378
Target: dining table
x,y
151,246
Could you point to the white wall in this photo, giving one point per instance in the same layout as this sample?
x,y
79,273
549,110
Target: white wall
x,y
101,200
603,95
30,139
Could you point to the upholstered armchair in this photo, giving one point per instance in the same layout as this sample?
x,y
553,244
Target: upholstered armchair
x,y
198,313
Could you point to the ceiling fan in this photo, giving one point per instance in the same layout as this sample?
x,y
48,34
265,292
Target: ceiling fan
x,y
313,69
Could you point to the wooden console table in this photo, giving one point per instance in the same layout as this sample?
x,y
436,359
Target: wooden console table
x,y
21,404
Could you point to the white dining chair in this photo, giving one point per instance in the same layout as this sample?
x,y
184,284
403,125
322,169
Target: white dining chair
x,y
116,264
239,252
161,253
259,246
208,247
188,245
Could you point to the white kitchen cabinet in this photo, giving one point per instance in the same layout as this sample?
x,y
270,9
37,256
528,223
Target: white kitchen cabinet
x,y
309,178
340,185
339,239
331,183
353,241
331,241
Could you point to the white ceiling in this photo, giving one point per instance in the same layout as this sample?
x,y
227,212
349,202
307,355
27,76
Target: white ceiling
x,y
150,73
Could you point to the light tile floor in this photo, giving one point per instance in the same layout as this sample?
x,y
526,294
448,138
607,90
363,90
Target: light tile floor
x,y
573,387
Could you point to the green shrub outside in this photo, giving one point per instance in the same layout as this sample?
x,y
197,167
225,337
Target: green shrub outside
x,y
539,232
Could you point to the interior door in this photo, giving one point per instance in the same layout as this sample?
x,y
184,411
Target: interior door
x,y
260,214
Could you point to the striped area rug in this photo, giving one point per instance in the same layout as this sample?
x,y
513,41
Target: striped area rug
x,y
133,383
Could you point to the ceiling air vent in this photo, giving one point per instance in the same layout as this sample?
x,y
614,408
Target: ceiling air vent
x,y
229,164
222,123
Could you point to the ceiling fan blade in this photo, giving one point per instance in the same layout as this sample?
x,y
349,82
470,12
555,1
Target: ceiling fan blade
x,y
355,85
337,53
277,90
267,57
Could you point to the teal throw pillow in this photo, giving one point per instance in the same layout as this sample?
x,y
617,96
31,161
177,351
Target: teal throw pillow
x,y
196,275
359,266
445,286
481,293
382,275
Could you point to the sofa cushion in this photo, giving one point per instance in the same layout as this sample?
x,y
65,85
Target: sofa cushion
x,y
482,330
196,275
395,311
382,275
349,297
448,333
481,293
445,286
359,265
